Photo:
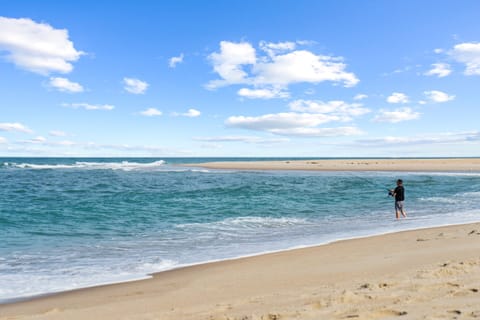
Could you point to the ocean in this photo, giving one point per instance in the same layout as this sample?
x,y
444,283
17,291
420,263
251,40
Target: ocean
x,y
69,223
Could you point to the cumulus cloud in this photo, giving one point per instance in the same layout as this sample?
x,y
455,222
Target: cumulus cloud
x,y
151,112
319,132
302,66
57,133
285,120
37,47
439,69
88,106
3,140
229,62
304,119
262,93
397,115
173,61
360,96
397,97
345,111
283,64
14,127
469,54
135,86
191,113
438,96
292,124
65,85
245,139
273,49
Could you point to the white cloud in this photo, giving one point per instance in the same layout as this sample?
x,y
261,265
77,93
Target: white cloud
x,y
262,93
319,132
37,47
88,106
304,119
438,96
469,54
345,111
65,85
135,86
151,112
439,69
245,139
286,120
360,96
3,140
14,127
173,61
191,113
37,139
302,66
292,124
440,138
272,48
238,63
229,61
397,97
397,115
438,50
57,133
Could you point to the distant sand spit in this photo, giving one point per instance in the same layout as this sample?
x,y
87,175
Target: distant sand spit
x,y
460,164
423,274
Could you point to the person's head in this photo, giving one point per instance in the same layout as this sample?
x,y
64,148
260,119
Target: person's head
x,y
399,182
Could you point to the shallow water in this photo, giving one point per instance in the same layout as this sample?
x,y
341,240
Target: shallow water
x,y
70,223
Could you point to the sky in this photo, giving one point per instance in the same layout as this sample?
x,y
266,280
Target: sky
x,y
269,78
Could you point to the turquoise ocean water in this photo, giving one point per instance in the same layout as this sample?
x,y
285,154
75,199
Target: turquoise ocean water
x,y
71,223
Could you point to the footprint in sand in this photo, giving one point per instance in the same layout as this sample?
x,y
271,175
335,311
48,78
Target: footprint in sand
x,y
387,313
455,312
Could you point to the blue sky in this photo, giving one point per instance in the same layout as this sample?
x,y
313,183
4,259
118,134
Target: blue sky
x,y
239,78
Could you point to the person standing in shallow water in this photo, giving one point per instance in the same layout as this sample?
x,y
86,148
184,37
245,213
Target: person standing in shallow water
x,y
399,194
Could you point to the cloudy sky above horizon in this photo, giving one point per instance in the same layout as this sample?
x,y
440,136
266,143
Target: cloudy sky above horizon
x,y
250,78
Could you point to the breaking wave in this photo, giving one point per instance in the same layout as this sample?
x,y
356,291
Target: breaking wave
x,y
123,165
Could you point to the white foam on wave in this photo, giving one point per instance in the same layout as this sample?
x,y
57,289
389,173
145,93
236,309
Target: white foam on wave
x,y
123,165
451,174
29,284
246,223
439,200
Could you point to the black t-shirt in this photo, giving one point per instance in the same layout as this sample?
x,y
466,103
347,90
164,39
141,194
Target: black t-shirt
x,y
399,193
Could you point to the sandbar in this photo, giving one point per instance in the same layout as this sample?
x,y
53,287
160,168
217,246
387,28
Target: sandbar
x,y
424,165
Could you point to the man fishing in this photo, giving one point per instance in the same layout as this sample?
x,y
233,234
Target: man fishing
x,y
399,194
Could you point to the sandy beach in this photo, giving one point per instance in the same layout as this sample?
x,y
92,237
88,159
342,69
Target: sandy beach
x,y
425,165
423,274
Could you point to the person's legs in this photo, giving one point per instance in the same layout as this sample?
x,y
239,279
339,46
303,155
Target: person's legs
x,y
400,209
404,213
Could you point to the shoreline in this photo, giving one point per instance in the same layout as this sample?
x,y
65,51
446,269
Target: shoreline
x,y
403,165
149,276
124,289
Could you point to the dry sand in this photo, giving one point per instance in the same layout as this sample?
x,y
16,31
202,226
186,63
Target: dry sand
x,y
460,164
423,274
